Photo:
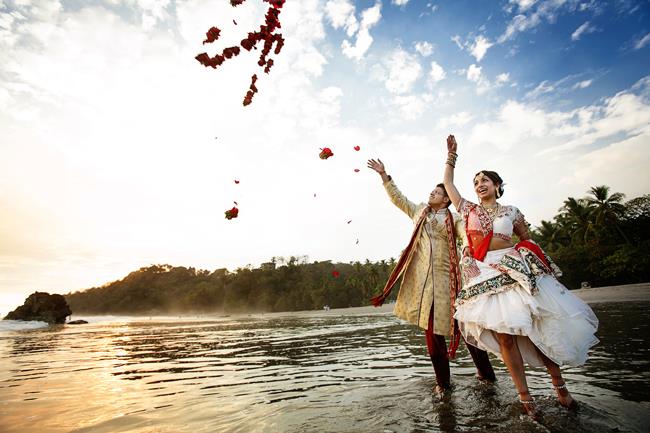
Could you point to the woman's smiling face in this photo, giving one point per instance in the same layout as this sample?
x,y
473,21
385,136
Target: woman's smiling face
x,y
484,187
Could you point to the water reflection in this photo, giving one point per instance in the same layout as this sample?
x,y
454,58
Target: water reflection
x,y
297,373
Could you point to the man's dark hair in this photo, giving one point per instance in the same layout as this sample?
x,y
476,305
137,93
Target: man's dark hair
x,y
442,185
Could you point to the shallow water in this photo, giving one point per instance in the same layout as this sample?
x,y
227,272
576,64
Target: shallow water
x,y
315,372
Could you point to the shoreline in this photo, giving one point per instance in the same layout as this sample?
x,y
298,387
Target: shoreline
x,y
595,295
625,293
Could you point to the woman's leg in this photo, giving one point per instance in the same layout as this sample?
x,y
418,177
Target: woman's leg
x,y
515,363
563,394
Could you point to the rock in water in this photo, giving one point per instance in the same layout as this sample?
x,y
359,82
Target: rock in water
x,y
43,307
76,322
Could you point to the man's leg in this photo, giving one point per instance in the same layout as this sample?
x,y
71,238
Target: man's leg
x,y
438,354
482,362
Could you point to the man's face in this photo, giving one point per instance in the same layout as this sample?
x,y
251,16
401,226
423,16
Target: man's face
x,y
437,198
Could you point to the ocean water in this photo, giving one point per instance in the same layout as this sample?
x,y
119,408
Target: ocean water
x,y
300,372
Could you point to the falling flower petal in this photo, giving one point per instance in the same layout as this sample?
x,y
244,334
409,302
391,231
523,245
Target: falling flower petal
x,y
356,170
335,274
232,213
325,153
357,242
236,181
349,221
234,22
357,148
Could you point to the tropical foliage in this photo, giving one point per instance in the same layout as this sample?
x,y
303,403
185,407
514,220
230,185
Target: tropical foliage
x,y
279,285
599,239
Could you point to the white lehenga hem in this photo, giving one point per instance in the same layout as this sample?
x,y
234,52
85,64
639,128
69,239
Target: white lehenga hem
x,y
554,320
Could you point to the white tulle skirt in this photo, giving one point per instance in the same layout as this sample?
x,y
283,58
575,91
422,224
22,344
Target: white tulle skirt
x,y
553,320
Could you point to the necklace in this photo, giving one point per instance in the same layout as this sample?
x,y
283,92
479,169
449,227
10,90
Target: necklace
x,y
492,211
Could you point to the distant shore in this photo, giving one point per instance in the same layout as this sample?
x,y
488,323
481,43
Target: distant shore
x,y
595,295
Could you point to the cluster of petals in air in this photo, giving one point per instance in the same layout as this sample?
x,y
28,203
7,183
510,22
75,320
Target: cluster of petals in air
x,y
267,33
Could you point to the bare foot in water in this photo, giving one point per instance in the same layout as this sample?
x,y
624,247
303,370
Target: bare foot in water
x,y
439,390
528,405
564,396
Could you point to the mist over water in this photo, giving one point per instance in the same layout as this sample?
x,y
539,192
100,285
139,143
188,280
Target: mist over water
x,y
316,372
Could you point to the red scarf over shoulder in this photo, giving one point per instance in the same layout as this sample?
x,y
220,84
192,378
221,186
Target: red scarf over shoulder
x,y
454,273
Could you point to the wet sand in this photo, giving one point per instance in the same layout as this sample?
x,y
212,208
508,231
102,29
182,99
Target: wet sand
x,y
594,295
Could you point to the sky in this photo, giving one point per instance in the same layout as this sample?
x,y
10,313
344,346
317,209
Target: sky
x,y
118,150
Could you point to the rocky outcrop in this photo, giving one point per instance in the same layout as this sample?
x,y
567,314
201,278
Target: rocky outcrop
x,y
43,307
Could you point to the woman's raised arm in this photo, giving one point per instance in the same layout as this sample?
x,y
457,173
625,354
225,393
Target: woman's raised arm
x,y
452,192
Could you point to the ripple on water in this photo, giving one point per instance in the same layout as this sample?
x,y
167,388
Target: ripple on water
x,y
298,373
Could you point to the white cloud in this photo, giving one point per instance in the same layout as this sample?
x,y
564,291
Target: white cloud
x,y
369,18
528,19
457,41
584,29
474,73
503,78
424,48
455,120
559,87
523,5
480,47
477,48
627,114
400,2
542,88
340,13
436,73
403,71
582,84
642,42
411,106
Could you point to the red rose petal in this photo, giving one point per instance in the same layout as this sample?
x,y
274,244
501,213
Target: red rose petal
x,y
335,274
357,148
356,170
236,181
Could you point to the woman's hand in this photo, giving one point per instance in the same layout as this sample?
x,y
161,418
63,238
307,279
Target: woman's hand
x,y
378,166
452,146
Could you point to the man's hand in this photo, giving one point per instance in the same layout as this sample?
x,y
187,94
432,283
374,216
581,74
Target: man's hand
x,y
452,146
378,166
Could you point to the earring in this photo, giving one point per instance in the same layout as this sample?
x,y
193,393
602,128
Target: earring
x,y
497,192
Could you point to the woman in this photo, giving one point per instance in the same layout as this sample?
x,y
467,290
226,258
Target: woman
x,y
511,303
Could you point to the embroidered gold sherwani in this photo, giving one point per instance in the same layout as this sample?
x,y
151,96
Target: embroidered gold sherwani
x,y
426,277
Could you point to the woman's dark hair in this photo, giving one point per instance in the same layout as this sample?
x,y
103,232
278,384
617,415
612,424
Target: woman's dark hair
x,y
494,177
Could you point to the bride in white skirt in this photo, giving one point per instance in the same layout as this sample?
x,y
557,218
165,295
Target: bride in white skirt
x,y
511,303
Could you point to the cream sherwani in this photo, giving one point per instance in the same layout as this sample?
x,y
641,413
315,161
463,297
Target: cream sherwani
x,y
426,277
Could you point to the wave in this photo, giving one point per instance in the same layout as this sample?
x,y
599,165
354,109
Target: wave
x,y
21,325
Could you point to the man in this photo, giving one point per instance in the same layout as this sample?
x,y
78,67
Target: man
x,y
431,277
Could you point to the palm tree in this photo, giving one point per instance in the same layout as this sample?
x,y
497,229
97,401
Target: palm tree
x,y
606,208
550,235
575,219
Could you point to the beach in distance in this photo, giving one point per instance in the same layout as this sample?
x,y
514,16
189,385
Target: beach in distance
x,y
594,295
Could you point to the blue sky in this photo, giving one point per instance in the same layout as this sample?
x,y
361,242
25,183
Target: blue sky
x,y
108,125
